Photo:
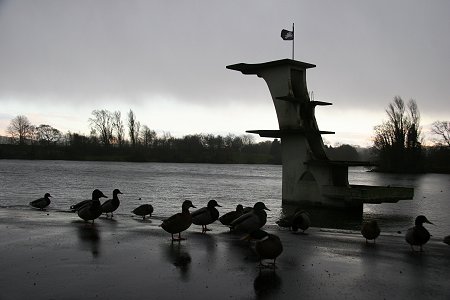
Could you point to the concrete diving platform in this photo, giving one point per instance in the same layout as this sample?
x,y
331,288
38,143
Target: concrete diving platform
x,y
360,194
309,177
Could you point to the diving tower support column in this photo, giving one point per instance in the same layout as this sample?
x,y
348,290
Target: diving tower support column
x,y
309,178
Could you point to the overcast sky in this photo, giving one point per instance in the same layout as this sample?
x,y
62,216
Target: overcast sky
x,y
165,60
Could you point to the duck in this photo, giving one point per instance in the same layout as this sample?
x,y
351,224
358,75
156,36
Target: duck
x,y
143,210
206,215
447,240
77,206
41,203
298,220
229,217
109,206
92,209
286,221
301,221
179,222
251,221
267,246
418,235
370,230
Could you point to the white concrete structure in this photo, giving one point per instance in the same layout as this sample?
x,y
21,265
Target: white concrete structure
x,y
309,177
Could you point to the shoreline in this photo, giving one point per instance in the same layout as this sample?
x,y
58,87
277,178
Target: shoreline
x,y
54,255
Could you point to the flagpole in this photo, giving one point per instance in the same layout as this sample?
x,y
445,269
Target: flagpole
x,y
293,34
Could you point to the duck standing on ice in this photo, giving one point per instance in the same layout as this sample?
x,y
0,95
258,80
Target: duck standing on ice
x,y
143,210
92,209
418,235
41,203
370,230
179,222
229,217
251,221
206,215
109,206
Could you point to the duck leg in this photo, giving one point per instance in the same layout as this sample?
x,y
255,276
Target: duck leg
x,y
205,229
179,237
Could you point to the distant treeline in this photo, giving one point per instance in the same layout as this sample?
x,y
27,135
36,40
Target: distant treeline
x,y
196,148
199,149
398,143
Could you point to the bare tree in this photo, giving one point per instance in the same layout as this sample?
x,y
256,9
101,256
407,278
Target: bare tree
x,y
442,129
118,127
397,122
133,128
147,136
102,124
413,138
46,134
20,129
247,139
398,140
166,141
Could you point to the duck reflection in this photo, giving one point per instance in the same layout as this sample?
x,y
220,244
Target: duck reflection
x,y
266,284
89,238
177,254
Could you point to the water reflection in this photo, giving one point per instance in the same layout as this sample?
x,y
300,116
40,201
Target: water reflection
x,y
89,238
177,254
208,241
267,284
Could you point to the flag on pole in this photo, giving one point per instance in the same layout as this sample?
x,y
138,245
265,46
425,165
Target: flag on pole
x,y
287,35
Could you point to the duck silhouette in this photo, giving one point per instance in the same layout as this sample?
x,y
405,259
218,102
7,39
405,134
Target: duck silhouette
x,y
41,203
447,240
286,221
370,230
418,235
267,246
179,222
77,206
109,206
92,209
300,221
229,217
206,215
143,210
251,221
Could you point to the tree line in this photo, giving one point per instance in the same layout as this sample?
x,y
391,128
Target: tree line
x,y
397,143
108,140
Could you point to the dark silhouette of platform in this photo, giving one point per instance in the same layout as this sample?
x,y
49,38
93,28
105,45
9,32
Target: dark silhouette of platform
x,y
309,177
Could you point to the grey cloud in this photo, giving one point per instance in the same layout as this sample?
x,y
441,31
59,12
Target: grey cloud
x,y
365,53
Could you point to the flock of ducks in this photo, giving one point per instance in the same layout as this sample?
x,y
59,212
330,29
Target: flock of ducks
x,y
248,220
